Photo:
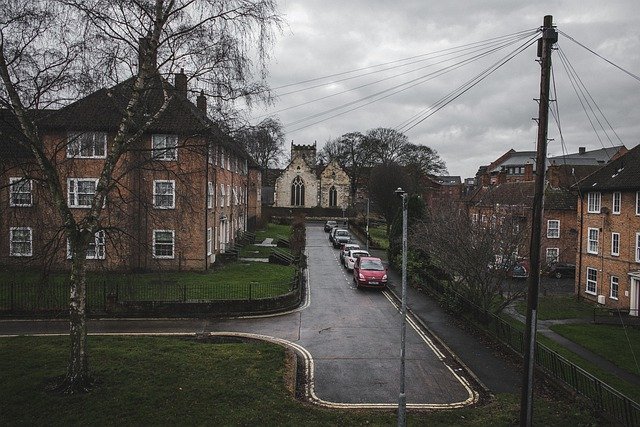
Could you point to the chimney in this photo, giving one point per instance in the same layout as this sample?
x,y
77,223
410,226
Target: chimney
x,y
201,102
528,172
582,150
180,82
143,51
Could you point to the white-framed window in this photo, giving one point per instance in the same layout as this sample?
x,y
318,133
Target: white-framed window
x,y
20,192
235,196
637,247
87,145
209,241
96,249
164,194
594,202
229,195
163,244
20,241
164,147
553,229
615,244
592,243
222,195
637,202
592,281
80,191
616,202
209,195
553,255
222,158
615,287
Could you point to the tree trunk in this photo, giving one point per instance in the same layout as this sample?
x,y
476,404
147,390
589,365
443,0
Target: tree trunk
x,y
77,378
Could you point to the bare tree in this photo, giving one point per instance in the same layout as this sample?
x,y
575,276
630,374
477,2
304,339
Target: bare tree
x,y
351,153
383,182
52,50
478,256
422,159
264,142
386,145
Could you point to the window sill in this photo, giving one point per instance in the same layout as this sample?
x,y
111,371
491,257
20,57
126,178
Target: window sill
x,y
590,293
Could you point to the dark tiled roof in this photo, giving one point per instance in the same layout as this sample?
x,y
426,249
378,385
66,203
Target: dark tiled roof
x,y
521,194
560,199
510,193
103,111
11,135
622,173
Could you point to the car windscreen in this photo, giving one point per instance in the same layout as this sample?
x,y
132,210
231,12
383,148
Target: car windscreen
x,y
372,265
355,254
342,233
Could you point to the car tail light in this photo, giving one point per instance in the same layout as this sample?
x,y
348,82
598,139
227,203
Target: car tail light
x,y
384,277
361,276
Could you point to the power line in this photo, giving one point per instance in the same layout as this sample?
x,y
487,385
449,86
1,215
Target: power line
x,y
379,80
460,47
600,56
394,90
409,124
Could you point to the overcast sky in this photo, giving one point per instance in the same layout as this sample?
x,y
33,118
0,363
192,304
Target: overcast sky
x,y
324,37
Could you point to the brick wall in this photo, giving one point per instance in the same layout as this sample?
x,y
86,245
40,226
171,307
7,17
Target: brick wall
x,y
604,264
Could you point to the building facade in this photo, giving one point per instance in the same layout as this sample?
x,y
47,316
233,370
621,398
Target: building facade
x,y
608,259
303,183
178,197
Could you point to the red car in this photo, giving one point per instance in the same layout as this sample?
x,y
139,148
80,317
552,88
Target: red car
x,y
369,272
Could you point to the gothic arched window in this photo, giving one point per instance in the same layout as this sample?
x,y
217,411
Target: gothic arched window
x,y
333,197
297,192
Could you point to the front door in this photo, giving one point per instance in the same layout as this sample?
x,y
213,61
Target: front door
x,y
635,297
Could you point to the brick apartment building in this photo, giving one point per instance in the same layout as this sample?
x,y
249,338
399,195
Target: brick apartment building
x,y
181,193
608,261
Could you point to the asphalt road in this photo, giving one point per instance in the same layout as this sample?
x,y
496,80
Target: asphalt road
x,y
349,340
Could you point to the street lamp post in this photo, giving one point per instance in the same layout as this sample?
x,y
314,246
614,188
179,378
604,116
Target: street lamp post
x,y
367,228
402,399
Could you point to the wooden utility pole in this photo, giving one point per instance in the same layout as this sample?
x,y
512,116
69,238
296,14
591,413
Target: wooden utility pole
x,y
549,37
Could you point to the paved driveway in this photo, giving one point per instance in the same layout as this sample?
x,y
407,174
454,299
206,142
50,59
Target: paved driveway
x,y
349,339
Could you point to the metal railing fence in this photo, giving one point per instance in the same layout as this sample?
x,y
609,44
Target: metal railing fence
x,y
605,398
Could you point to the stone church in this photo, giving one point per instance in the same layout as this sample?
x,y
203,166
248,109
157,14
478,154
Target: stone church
x,y
304,184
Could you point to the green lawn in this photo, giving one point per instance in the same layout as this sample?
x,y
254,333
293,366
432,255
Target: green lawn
x,y
171,381
379,235
559,307
273,231
239,280
619,345
628,389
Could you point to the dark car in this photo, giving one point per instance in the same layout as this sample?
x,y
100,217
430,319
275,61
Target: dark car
x,y
562,269
340,236
369,272
329,225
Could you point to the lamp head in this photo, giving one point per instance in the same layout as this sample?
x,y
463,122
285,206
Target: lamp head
x,y
400,192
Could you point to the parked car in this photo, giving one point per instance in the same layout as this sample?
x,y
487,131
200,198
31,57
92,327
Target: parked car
x,y
369,272
513,269
562,269
352,256
329,225
345,248
340,236
332,233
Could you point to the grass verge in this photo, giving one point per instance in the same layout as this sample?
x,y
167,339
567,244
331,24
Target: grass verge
x,y
169,381
553,307
620,346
